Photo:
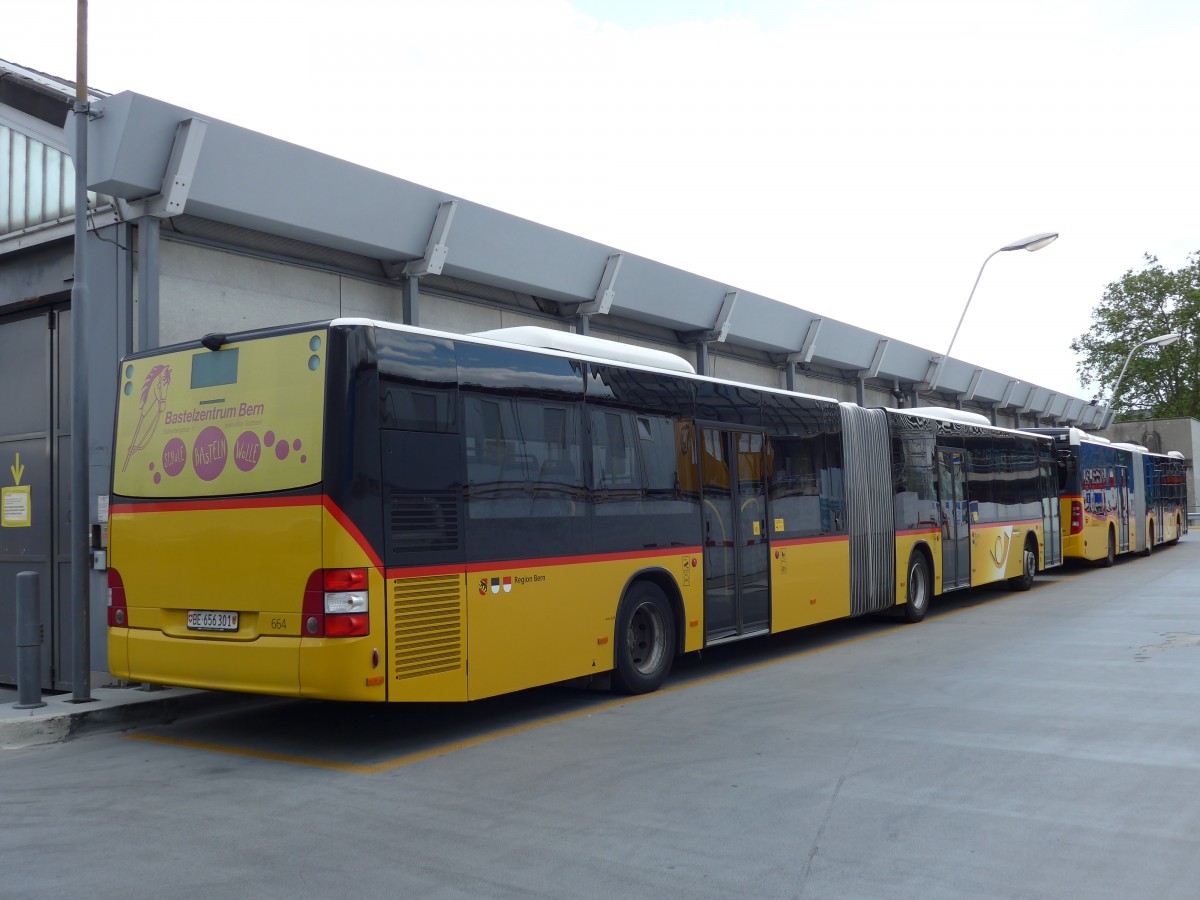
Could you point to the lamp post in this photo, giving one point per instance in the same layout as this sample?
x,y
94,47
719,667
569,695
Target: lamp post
x,y
80,507
1161,341
1031,243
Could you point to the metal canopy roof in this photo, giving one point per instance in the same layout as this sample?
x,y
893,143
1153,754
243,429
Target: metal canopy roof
x,y
243,178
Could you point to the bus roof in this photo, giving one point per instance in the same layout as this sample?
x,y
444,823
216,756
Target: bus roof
x,y
554,343
568,342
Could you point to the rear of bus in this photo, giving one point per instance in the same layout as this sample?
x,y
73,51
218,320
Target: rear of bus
x,y
236,563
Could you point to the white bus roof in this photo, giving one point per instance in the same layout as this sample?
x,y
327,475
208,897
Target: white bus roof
x,y
951,414
568,342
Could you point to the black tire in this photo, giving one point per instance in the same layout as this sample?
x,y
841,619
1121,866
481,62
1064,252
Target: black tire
x,y
1111,558
644,644
1149,541
1029,565
920,588
1178,531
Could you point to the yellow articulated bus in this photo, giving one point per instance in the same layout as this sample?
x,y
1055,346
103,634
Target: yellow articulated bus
x,y
357,510
1116,498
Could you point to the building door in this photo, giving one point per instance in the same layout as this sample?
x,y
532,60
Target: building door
x,y
34,461
736,553
956,529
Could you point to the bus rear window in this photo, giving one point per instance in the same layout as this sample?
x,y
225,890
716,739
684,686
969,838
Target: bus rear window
x,y
215,369
243,419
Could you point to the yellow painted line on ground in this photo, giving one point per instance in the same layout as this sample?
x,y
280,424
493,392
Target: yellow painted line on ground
x,y
253,754
455,746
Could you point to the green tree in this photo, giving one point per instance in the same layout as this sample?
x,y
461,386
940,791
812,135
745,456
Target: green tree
x,y
1159,381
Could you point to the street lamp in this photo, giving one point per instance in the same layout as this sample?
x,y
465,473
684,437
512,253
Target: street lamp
x,y
1031,243
1161,341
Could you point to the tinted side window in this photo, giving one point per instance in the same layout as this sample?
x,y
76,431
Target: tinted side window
x,y
728,403
633,389
642,466
807,491
981,480
525,487
915,481
418,375
503,369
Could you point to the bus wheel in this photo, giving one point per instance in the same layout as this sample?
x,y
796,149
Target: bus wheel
x,y
645,640
1178,530
919,589
1111,558
1149,541
1029,561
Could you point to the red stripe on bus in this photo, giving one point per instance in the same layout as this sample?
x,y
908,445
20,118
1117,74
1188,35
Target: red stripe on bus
x,y
351,529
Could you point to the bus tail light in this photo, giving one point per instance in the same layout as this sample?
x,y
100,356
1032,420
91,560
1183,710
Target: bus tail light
x,y
118,615
335,604
1076,516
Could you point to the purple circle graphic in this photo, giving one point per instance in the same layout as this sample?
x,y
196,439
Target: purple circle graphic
x,y
246,451
157,477
269,438
281,449
296,445
210,452
303,458
174,457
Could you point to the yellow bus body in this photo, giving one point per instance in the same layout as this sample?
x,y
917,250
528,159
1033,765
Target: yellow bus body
x,y
260,559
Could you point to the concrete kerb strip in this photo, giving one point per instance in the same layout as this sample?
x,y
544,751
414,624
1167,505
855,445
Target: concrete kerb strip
x,y
112,709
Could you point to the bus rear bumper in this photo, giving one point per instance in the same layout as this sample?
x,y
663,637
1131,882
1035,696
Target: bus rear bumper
x,y
279,666
264,666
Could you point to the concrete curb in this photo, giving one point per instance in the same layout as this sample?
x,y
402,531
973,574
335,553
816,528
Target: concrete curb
x,y
112,709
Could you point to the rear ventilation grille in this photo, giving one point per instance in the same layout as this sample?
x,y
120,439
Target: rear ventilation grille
x,y
427,617
426,521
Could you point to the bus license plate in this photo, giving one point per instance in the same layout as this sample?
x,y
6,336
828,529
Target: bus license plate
x,y
211,620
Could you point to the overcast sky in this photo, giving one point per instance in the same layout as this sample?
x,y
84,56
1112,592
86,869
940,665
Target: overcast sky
x,y
858,159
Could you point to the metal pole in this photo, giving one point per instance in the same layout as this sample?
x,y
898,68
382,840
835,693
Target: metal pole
x,y
149,230
1116,387
81,646
411,300
29,643
970,297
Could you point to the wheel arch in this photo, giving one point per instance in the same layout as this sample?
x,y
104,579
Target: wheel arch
x,y
664,581
1039,551
922,547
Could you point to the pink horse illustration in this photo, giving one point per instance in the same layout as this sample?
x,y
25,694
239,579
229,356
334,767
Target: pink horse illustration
x,y
153,403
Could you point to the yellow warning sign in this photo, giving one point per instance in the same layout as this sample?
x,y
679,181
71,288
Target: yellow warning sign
x,y
15,507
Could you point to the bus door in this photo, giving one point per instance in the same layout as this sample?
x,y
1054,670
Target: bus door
x,y
956,529
1051,515
736,554
1122,479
